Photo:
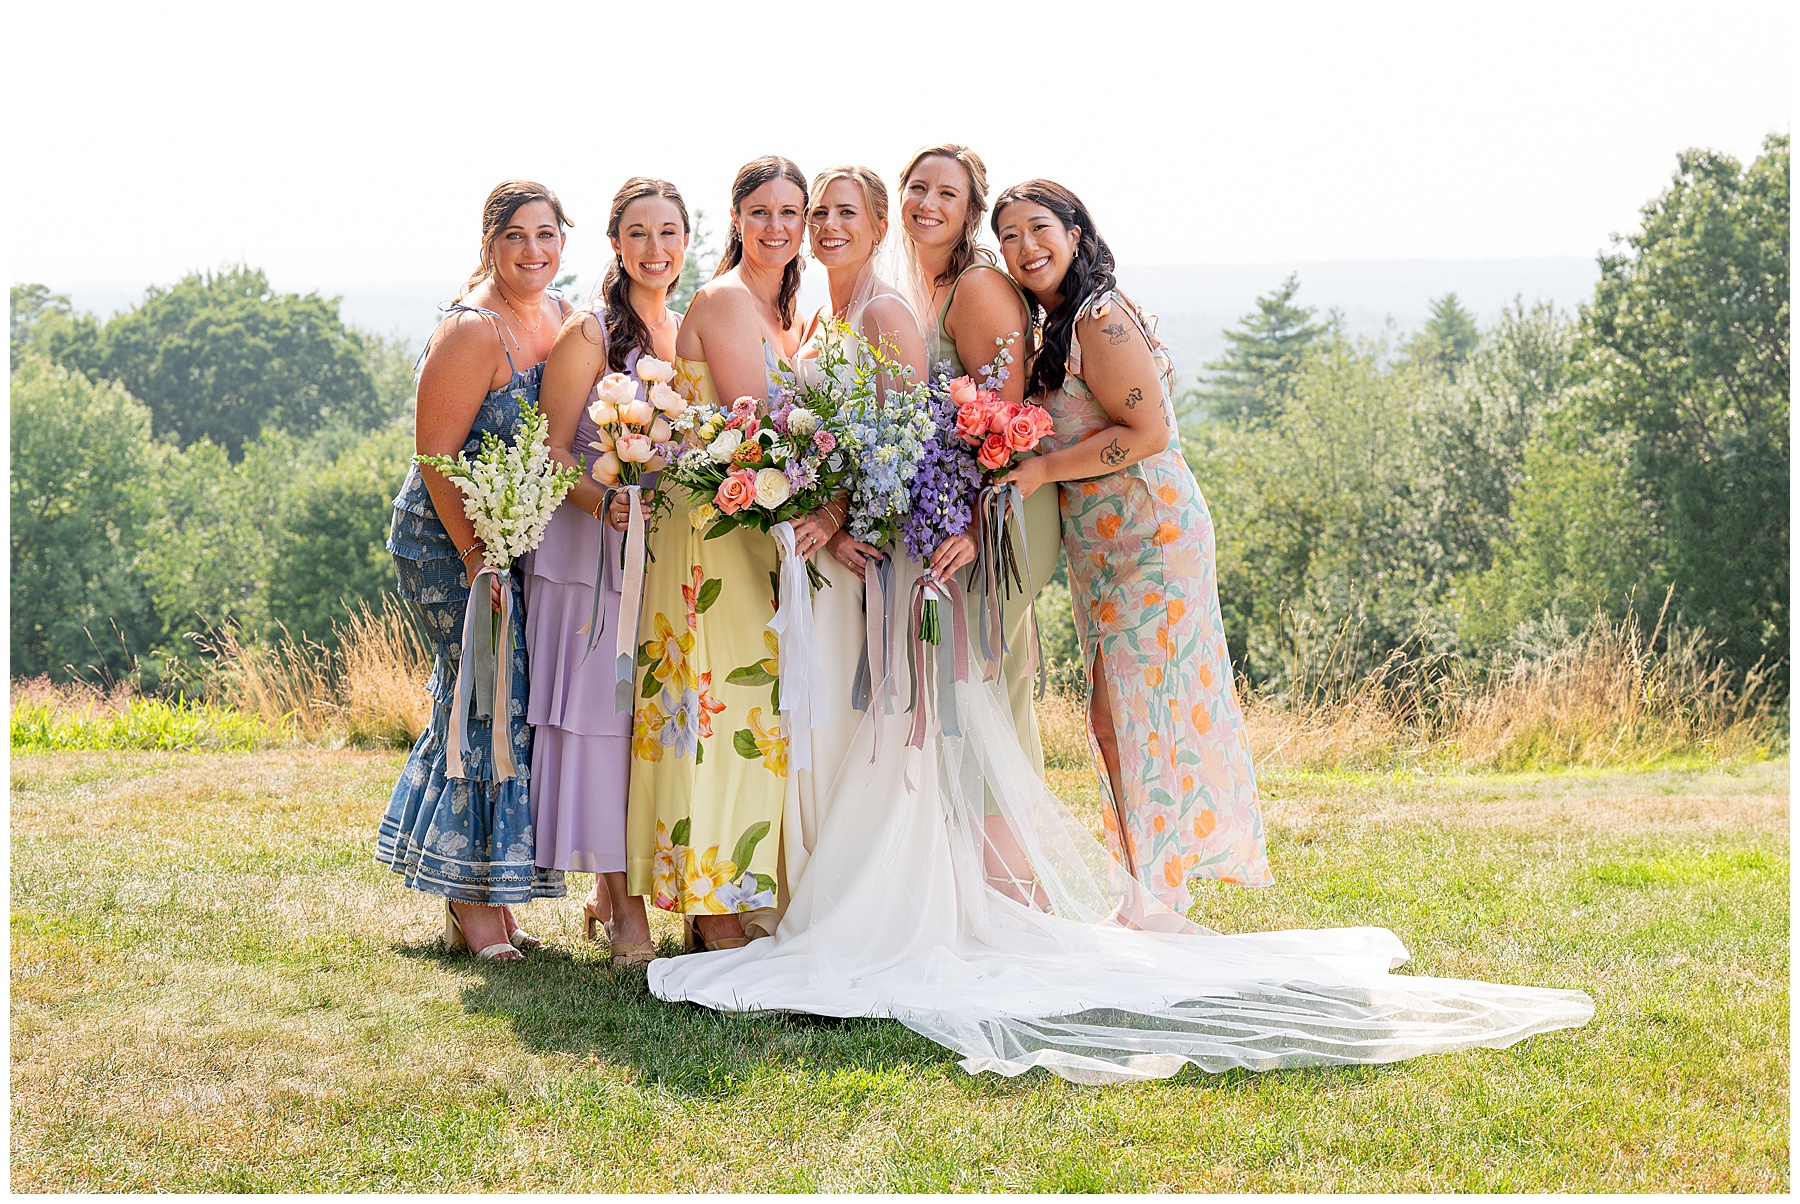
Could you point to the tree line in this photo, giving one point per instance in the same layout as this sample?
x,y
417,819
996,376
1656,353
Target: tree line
x,y
223,454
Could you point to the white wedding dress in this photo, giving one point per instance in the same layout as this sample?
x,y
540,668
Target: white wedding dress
x,y
896,916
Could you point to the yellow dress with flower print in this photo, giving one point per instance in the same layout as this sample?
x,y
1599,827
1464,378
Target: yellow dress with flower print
x,y
708,758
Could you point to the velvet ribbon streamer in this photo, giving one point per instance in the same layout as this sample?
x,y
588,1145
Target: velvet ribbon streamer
x,y
805,695
484,679
1002,508
952,661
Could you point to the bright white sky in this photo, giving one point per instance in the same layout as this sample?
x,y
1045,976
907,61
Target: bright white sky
x,y
348,145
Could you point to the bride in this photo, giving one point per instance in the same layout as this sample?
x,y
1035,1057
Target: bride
x,y
1066,962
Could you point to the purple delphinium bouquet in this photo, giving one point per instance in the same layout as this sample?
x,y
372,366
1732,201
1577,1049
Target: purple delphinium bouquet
x,y
943,491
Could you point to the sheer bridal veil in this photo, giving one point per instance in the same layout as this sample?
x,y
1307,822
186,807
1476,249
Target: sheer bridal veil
x,y
949,889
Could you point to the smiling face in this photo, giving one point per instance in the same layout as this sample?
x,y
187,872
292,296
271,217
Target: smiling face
x,y
842,230
527,252
1037,247
770,222
652,242
934,202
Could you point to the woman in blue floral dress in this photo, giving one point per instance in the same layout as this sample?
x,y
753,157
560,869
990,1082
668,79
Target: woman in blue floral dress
x,y
469,839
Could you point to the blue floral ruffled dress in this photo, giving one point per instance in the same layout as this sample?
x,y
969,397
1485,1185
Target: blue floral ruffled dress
x,y
468,839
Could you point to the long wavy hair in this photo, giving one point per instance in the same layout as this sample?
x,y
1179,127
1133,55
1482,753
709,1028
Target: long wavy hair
x,y
624,328
1090,274
750,177
967,250
508,197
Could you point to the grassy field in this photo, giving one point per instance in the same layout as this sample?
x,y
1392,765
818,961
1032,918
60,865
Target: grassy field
x,y
214,989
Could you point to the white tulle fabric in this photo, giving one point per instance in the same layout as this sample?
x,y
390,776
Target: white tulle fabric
x,y
905,911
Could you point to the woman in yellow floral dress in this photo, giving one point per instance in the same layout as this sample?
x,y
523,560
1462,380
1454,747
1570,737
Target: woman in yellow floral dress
x,y
1180,789
709,758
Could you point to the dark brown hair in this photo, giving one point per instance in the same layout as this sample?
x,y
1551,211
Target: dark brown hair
x,y
508,197
1090,274
965,252
750,177
624,329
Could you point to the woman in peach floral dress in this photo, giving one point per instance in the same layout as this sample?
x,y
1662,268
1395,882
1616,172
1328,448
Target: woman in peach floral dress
x,y
1180,791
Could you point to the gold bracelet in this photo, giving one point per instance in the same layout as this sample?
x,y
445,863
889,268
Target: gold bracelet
x,y
474,547
598,507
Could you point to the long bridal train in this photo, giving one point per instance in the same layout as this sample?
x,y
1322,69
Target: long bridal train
x,y
898,915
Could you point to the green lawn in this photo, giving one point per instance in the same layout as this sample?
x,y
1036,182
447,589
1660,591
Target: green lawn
x,y
215,989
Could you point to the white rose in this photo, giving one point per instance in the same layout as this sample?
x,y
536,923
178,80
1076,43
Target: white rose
x,y
652,371
720,449
666,399
772,488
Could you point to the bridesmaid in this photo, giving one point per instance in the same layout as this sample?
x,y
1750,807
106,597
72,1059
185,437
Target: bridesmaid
x,y
1181,793
581,761
709,757
470,840
971,306
847,223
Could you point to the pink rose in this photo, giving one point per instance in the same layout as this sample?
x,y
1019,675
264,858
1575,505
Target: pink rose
x,y
963,391
1002,413
1021,432
634,447
994,453
736,491
1041,421
637,413
972,422
825,441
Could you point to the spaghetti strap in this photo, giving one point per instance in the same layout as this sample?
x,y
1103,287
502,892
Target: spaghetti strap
x,y
494,319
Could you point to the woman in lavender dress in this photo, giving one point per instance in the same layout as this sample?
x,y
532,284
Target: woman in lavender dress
x,y
581,763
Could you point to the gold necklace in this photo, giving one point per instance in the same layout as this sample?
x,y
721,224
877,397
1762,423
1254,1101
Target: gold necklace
x,y
529,328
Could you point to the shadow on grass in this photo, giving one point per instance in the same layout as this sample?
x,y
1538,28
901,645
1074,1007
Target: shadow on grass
x,y
575,1003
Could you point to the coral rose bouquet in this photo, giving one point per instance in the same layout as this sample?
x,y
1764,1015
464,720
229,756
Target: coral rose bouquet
x,y
1000,433
509,492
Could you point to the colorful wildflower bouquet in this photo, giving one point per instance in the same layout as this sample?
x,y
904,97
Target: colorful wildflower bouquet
x,y
756,464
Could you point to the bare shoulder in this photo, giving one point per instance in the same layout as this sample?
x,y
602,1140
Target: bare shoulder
x,y
890,312
463,339
1106,326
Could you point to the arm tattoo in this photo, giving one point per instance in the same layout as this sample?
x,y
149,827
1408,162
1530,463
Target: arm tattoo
x,y
1132,398
1113,454
1116,333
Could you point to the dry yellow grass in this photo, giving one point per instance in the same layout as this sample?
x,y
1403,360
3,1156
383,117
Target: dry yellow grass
x,y
369,691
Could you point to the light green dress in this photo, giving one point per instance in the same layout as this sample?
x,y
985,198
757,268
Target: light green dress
x,y
1043,539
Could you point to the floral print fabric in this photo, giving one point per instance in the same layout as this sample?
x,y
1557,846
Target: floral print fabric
x,y
1141,576
708,751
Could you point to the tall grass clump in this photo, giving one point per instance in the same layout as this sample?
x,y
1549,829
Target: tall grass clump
x,y
368,691
46,717
1614,693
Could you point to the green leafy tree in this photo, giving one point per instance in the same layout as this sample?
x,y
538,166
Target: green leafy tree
x,y
1684,354
332,551
1255,376
1447,339
43,323
702,258
80,455
221,356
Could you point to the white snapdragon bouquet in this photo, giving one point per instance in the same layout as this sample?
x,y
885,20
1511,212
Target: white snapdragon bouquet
x,y
510,491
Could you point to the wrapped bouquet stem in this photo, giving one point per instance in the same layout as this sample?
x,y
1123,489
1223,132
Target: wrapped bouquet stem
x,y
509,493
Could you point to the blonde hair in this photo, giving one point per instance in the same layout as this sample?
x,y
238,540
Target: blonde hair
x,y
966,250
873,187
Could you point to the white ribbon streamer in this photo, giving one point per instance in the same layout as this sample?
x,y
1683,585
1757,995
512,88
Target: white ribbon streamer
x,y
805,694
484,679
631,598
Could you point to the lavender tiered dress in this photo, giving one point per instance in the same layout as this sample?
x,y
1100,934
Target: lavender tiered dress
x,y
581,760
